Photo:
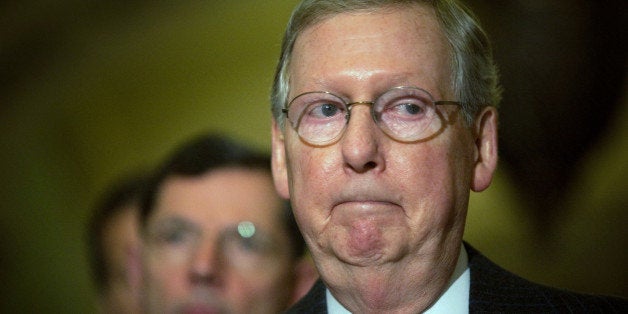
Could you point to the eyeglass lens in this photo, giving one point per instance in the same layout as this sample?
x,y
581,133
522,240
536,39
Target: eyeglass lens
x,y
404,113
243,246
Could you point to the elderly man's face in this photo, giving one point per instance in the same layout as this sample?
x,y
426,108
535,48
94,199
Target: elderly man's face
x,y
368,200
215,244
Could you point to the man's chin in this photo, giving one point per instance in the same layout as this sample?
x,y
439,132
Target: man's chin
x,y
366,254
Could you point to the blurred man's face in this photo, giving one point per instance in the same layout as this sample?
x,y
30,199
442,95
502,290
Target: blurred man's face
x,y
215,244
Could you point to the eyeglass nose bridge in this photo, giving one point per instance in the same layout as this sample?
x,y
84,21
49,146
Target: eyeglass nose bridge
x,y
370,103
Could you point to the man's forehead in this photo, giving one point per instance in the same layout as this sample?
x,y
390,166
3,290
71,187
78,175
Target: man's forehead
x,y
374,48
416,11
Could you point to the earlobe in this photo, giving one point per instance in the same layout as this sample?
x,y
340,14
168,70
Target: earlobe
x,y
485,149
280,173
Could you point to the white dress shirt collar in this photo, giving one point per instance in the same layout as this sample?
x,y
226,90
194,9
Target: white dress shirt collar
x,y
455,299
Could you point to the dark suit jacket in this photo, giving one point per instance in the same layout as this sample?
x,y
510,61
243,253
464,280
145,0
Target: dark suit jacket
x,y
495,290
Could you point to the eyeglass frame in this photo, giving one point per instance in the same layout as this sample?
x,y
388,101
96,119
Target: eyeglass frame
x,y
371,103
160,239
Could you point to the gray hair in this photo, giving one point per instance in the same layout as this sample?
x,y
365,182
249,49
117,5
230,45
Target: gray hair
x,y
474,75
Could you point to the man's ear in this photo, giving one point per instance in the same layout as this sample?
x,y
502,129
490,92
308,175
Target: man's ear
x,y
305,276
485,129
278,161
134,275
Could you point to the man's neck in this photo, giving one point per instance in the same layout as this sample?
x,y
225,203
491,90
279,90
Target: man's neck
x,y
400,290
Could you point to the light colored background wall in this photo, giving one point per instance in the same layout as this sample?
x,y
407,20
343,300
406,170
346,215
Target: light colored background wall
x,y
95,89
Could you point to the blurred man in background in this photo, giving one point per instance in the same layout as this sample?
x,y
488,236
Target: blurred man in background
x,y
216,236
114,246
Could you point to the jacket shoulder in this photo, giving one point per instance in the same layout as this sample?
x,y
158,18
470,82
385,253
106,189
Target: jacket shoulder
x,y
313,302
494,289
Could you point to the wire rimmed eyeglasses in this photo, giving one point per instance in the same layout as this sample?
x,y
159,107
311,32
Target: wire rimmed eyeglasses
x,y
404,113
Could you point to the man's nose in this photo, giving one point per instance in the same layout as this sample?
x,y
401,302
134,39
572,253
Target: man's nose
x,y
205,264
361,141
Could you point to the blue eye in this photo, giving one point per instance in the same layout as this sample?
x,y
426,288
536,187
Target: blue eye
x,y
406,109
328,110
323,110
410,108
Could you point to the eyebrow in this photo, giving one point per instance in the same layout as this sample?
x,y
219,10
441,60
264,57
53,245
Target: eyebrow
x,y
385,80
177,222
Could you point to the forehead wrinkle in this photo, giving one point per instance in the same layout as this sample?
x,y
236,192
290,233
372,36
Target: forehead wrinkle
x,y
376,76
378,83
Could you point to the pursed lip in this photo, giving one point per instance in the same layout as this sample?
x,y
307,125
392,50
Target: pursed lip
x,y
366,199
364,208
366,203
